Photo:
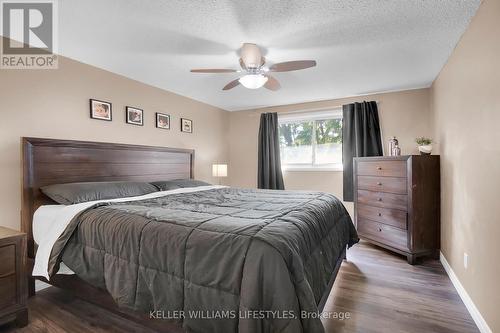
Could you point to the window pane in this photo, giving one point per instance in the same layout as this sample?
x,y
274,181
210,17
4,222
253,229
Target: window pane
x,y
296,143
329,141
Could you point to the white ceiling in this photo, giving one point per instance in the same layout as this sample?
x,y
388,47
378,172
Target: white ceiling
x,y
361,46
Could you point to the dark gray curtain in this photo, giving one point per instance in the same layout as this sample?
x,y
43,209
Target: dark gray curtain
x,y
360,138
269,174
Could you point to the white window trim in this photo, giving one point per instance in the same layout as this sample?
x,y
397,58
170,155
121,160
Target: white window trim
x,y
322,114
308,167
311,115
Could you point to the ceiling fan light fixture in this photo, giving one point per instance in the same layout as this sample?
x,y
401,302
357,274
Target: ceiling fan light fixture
x,y
253,81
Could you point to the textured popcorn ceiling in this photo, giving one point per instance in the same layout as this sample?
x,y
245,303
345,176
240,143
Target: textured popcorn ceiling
x,y
361,46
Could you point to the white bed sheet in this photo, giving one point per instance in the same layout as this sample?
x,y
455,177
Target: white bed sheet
x,y
43,219
50,221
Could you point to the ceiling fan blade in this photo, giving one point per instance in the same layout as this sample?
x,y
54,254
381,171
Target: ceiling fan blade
x,y
292,65
213,70
231,84
272,83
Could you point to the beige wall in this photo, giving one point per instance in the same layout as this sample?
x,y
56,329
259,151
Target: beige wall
x,y
466,106
55,104
405,115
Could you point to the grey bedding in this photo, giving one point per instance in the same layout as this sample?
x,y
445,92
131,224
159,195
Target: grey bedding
x,y
216,254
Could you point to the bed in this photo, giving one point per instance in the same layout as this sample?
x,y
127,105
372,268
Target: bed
x,y
206,259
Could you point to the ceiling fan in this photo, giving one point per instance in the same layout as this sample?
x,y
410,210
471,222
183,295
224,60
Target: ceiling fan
x,y
255,73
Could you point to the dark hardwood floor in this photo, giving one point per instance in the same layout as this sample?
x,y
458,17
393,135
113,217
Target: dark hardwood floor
x,y
385,294
379,290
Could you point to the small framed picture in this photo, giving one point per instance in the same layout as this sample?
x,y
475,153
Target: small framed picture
x,y
134,116
186,125
162,120
100,110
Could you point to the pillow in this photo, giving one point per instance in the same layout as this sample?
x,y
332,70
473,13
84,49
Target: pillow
x,y
178,183
73,193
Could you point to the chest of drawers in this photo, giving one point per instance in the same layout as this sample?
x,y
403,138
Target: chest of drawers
x,y
397,203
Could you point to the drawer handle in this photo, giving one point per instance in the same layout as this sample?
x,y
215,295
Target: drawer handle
x,y
379,183
379,168
379,199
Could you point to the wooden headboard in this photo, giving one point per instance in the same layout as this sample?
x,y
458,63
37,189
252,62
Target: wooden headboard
x,y
50,161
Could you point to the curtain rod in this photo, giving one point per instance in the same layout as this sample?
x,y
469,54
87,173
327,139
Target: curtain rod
x,y
326,108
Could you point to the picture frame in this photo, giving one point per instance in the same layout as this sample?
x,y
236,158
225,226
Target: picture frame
x,y
162,120
134,116
100,110
186,125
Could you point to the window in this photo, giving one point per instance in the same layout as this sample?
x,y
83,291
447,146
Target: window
x,y
311,140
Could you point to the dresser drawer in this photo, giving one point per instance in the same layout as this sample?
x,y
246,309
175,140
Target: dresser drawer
x,y
382,168
383,233
384,200
7,260
393,217
8,291
382,184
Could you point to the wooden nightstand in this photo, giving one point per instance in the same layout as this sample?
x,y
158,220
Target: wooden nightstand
x,y
13,291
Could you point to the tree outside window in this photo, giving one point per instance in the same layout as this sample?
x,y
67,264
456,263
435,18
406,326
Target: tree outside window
x,y
315,143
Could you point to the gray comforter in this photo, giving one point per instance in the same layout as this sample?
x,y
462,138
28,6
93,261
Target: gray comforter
x,y
220,260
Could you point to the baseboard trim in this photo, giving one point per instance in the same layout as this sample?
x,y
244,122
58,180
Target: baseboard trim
x,y
469,304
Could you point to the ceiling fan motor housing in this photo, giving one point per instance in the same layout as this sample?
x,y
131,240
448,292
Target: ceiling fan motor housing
x,y
250,53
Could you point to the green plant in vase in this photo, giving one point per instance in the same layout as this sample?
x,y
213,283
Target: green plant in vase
x,y
424,145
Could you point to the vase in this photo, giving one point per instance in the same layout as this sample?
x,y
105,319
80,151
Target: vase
x,y
425,149
392,143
